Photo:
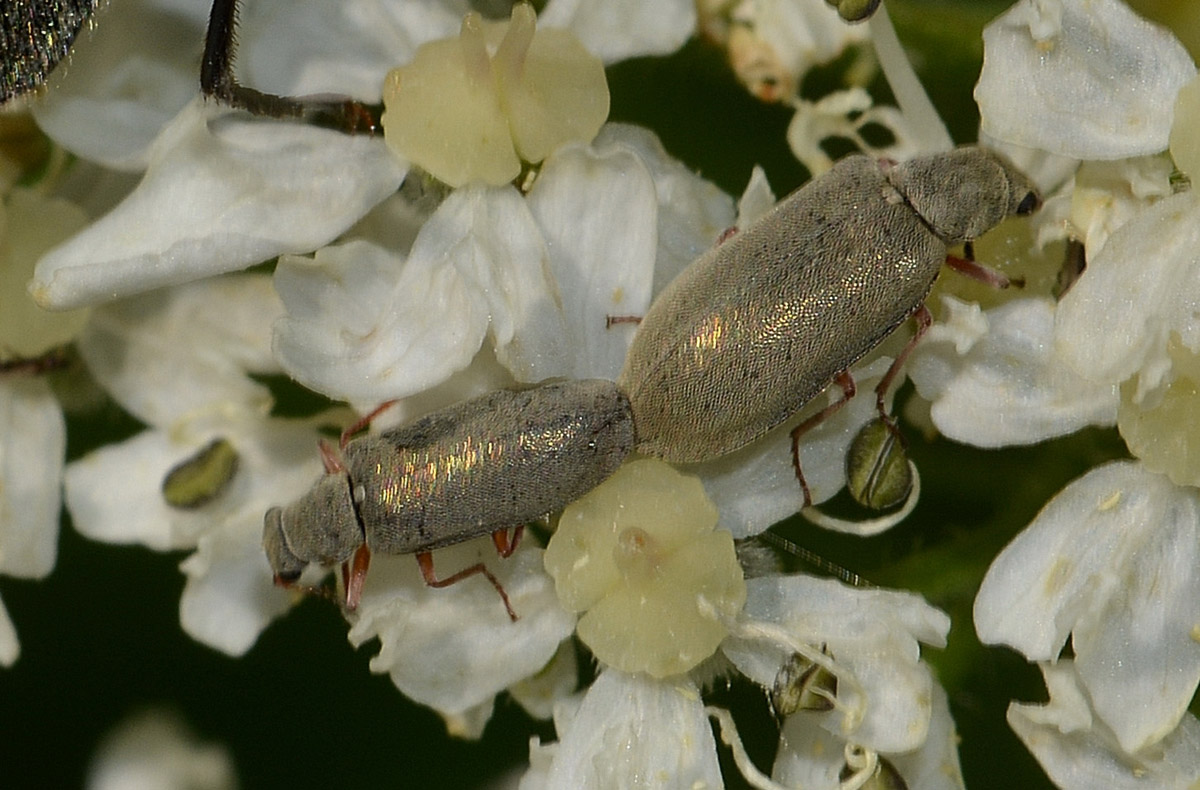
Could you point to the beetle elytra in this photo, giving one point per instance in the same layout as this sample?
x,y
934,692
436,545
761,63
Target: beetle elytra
x,y
754,329
480,467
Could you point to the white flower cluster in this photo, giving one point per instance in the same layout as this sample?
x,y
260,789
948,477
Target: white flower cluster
x,y
439,261
1089,96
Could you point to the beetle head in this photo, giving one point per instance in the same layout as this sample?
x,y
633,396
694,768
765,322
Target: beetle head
x,y
964,193
321,526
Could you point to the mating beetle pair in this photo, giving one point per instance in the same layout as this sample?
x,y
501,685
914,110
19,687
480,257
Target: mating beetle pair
x,y
740,341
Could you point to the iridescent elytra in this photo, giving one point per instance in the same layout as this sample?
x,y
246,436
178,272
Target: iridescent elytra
x,y
753,330
476,468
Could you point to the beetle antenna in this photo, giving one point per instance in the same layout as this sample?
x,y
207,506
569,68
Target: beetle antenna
x,y
816,560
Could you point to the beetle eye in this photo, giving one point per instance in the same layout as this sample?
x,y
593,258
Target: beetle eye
x,y
1029,203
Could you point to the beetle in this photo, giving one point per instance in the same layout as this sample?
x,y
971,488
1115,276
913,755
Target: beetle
x,y
483,466
753,330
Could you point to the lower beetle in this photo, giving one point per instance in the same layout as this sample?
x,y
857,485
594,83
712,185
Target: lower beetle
x,y
480,467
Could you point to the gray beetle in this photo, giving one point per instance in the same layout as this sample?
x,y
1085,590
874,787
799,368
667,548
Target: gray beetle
x,y
757,327
480,467
737,343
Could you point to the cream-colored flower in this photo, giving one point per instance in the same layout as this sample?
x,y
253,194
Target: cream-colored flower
x,y
472,108
640,558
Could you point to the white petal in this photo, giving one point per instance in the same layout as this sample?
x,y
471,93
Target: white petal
x,y
125,79
692,212
1136,652
114,494
487,238
365,326
1087,79
619,29
1140,289
809,756
935,765
1048,575
490,237
597,212
803,33
1081,758
229,597
1112,558
756,486
873,637
10,648
297,49
632,731
757,199
455,648
483,375
171,353
33,441
155,751
221,193
1009,387
539,694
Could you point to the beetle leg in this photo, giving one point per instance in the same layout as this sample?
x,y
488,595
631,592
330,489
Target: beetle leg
x,y
977,271
506,544
331,458
354,573
924,320
846,382
217,80
425,560
364,421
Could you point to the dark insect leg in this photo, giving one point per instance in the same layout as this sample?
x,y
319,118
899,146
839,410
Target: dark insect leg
x,y
425,560
844,381
217,80
612,320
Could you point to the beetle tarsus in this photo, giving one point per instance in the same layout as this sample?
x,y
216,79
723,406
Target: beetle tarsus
x,y
846,382
977,271
425,560
354,574
924,320
506,543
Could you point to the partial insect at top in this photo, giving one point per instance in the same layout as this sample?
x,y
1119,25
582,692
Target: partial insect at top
x,y
36,35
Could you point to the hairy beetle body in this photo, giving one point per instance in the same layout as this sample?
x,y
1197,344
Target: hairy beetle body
x,y
752,331
498,461
491,463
